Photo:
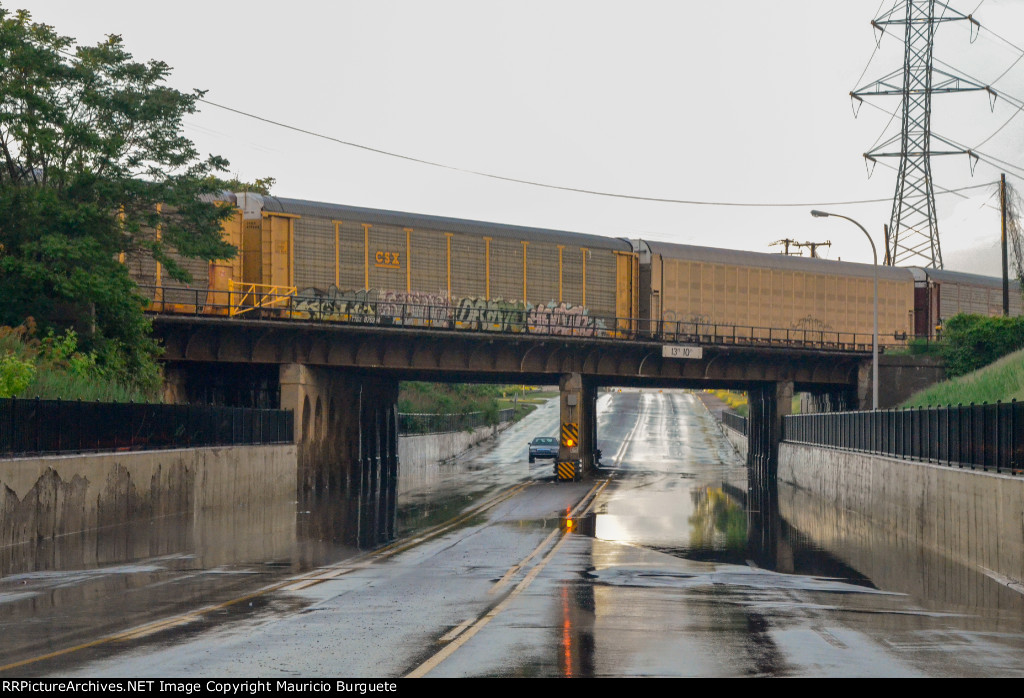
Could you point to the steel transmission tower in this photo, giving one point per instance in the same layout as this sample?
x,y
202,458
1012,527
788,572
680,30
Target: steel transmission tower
x,y
914,231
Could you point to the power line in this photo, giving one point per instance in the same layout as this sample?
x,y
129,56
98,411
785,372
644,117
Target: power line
x,y
913,225
872,56
944,190
985,157
544,185
1005,123
1014,101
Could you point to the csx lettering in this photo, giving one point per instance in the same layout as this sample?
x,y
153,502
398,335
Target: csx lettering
x,y
386,259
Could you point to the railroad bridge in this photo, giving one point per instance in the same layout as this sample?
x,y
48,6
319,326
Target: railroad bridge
x,y
341,379
327,306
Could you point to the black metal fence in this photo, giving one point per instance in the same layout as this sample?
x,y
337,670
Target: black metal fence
x,y
37,426
422,423
734,420
442,313
986,437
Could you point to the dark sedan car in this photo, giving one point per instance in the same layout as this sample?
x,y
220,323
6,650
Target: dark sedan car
x,y
543,447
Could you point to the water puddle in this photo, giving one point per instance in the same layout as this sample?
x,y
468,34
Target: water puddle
x,y
693,575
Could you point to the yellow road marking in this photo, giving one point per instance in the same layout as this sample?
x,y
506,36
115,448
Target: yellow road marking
x,y
512,571
314,576
457,630
464,637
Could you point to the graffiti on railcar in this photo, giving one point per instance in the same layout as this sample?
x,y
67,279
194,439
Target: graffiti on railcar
x,y
810,322
414,307
564,319
493,314
691,319
422,309
337,305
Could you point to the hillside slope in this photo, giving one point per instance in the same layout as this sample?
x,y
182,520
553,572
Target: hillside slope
x,y
1002,380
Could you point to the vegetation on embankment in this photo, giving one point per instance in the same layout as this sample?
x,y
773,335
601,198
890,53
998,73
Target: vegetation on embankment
x,y
463,398
973,341
1000,381
95,169
53,367
737,401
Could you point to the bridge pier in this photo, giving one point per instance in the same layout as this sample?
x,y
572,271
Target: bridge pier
x,y
577,413
768,404
838,400
346,431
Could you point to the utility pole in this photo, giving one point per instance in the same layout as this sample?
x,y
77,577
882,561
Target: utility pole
x,y
1002,238
814,246
787,242
913,226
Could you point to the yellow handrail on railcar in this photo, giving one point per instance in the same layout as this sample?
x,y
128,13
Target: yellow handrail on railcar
x,y
253,296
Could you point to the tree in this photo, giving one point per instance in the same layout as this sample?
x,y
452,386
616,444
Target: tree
x,y
90,143
257,186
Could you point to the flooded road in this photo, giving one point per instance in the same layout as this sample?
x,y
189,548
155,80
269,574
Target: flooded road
x,y
663,573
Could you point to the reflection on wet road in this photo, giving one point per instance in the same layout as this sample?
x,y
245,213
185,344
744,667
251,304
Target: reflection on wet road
x,y
668,575
679,580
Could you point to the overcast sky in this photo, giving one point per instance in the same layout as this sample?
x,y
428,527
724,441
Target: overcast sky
x,y
741,101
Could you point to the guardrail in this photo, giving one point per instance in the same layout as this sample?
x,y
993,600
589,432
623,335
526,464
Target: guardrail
x,y
441,313
35,426
986,436
413,423
734,421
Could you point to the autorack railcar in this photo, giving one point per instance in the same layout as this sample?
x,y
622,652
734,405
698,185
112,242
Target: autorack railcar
x,y
940,294
331,261
753,292
306,259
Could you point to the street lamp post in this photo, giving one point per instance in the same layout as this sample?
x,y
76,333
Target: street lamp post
x,y
874,336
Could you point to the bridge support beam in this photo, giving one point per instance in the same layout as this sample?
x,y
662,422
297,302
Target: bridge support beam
x,y
837,400
769,403
346,429
577,409
863,389
175,385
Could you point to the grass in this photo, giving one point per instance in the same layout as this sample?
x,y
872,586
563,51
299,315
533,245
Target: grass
x,y
461,398
737,402
999,381
52,368
917,346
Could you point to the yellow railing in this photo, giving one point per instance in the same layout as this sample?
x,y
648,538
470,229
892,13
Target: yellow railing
x,y
244,297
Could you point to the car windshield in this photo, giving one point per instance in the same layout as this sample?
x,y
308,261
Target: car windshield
x,y
544,441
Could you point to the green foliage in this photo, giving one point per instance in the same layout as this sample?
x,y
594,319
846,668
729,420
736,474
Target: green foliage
x,y
257,186
1000,381
973,341
918,346
15,375
453,398
92,160
445,398
54,368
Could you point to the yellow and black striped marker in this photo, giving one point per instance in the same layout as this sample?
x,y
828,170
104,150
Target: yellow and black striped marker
x,y
565,470
570,434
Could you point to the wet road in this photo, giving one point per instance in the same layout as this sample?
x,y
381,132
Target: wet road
x,y
667,574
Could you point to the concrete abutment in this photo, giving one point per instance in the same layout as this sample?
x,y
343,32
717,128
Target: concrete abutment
x,y
346,431
578,420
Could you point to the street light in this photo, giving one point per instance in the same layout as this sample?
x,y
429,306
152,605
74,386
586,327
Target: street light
x,y
874,337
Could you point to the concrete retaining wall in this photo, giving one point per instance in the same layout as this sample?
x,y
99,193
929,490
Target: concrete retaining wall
x,y
419,457
46,497
428,449
972,517
738,440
